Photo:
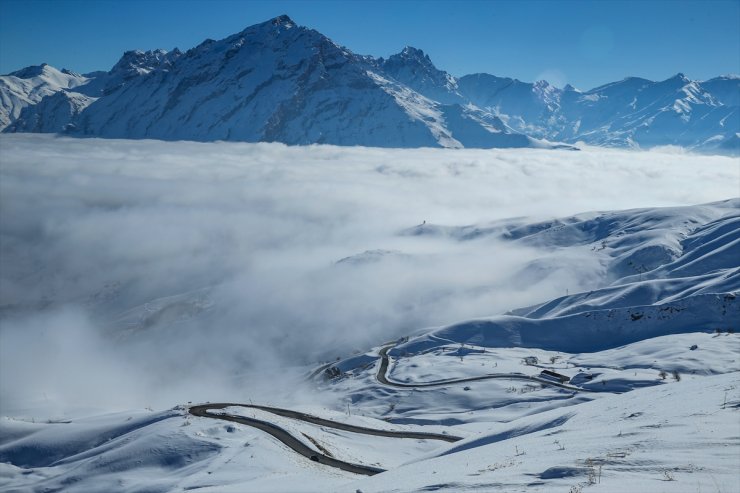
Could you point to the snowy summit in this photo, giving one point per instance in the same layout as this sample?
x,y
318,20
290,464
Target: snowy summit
x,y
281,82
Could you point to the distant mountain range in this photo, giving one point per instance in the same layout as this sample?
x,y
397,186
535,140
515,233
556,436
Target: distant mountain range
x,y
280,82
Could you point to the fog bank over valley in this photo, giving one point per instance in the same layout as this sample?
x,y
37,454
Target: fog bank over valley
x,y
147,273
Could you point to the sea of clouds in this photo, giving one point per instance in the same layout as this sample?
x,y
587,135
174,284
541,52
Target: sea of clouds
x,y
140,273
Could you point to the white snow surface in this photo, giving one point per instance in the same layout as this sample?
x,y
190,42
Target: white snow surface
x,y
137,276
30,86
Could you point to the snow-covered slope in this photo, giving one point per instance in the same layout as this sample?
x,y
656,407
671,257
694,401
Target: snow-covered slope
x,y
677,437
278,81
632,112
663,271
31,85
676,111
524,106
415,69
53,114
274,81
652,439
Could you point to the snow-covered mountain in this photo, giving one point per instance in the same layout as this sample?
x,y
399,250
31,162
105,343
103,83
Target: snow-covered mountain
x,y
632,112
29,86
274,81
415,69
666,271
278,81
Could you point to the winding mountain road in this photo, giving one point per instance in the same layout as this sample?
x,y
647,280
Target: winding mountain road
x,y
382,377
203,410
282,435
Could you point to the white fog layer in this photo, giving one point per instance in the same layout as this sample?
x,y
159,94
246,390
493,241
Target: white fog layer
x,y
137,273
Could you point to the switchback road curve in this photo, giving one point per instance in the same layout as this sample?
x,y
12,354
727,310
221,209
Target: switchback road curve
x,y
381,375
297,445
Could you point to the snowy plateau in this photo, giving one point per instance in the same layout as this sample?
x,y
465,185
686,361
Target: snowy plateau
x,y
257,317
281,82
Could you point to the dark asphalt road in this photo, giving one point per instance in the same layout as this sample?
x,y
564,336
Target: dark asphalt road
x,y
283,436
382,376
301,448
355,429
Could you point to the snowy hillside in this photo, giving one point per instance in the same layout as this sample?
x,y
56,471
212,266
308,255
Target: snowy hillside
x,y
31,85
231,317
281,82
650,439
274,81
664,271
633,112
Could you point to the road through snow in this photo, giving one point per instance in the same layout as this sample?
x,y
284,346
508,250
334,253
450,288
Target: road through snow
x,y
382,377
301,448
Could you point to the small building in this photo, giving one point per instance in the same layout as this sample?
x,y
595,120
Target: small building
x,y
551,375
582,377
531,360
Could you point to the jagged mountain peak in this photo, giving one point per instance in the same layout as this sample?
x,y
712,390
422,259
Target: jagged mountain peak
x,y
46,75
29,86
137,61
281,33
413,67
283,20
32,71
411,55
131,56
278,81
410,51
675,82
279,36
678,79
278,24
270,82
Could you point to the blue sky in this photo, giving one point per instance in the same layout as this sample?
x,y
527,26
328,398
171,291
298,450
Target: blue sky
x,y
585,43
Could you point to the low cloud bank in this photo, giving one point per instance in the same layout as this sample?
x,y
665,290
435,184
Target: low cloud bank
x,y
152,273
